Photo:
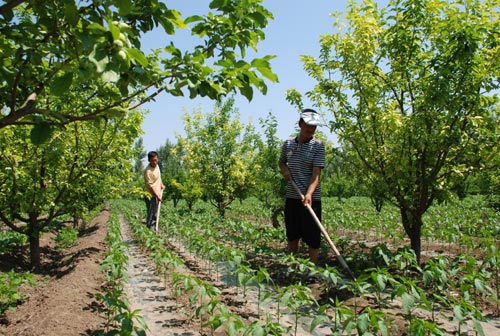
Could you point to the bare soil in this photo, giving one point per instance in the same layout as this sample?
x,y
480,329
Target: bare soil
x,y
64,300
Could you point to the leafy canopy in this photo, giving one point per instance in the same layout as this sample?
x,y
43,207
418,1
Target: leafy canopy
x,y
50,48
412,89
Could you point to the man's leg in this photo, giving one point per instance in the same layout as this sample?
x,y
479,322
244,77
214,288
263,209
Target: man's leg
x,y
314,255
292,224
153,208
147,201
294,246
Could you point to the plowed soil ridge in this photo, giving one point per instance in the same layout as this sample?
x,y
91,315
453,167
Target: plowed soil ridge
x,y
147,292
166,313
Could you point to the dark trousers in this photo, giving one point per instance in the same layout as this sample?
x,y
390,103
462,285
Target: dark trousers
x,y
300,224
152,207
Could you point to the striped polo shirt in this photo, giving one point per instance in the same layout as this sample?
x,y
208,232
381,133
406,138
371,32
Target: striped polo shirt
x,y
301,158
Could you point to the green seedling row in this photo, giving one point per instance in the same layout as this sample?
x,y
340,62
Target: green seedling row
x,y
246,251
120,318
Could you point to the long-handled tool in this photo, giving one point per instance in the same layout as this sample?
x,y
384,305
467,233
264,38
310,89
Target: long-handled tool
x,y
158,214
323,231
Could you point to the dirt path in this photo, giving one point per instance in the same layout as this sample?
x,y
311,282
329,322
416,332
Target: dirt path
x,y
147,292
63,303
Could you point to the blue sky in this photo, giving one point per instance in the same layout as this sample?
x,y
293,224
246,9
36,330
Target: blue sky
x,y
295,31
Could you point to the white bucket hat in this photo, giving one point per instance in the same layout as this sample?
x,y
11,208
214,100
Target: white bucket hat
x,y
311,117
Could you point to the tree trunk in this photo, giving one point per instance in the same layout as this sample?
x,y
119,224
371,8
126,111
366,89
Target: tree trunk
x,y
77,222
34,238
221,208
276,212
412,223
377,202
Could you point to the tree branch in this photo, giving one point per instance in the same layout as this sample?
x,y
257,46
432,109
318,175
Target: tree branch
x,y
9,6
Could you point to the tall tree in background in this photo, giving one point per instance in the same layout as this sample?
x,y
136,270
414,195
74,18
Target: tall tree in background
x,y
139,154
51,47
270,189
411,89
336,177
216,153
171,170
183,186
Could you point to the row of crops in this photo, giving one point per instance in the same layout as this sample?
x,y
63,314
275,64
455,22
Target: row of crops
x,y
455,290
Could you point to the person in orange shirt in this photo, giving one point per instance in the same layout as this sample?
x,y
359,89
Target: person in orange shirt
x,y
154,188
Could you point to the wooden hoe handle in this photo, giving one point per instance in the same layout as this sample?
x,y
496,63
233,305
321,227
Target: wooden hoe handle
x,y
323,231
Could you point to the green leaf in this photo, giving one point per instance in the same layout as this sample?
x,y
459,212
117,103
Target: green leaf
x,y
124,6
478,328
60,85
363,323
141,332
193,18
96,27
41,133
269,74
71,12
457,311
381,281
168,26
137,56
260,63
171,49
247,91
8,14
408,302
479,285
259,331
176,93
382,328
316,322
115,30
175,17
216,4
259,18
127,325
241,64
193,92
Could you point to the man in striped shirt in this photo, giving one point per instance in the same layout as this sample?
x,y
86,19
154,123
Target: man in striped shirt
x,y
301,160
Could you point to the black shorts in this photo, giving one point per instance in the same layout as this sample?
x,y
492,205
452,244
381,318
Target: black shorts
x,y
300,224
